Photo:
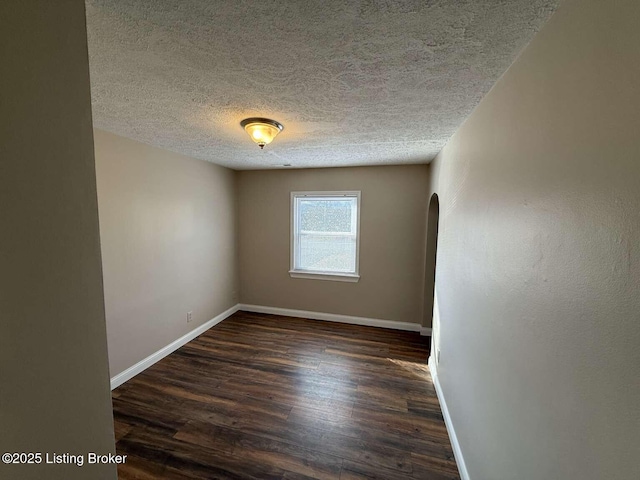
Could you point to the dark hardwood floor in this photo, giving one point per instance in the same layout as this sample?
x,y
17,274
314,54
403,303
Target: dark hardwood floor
x,y
269,397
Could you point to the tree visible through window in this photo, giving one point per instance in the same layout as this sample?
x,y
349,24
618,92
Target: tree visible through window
x,y
325,232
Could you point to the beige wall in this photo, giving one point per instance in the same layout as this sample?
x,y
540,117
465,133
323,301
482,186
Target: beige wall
x,y
539,257
54,379
392,226
168,234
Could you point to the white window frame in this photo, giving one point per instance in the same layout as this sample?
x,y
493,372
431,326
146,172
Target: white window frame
x,y
315,274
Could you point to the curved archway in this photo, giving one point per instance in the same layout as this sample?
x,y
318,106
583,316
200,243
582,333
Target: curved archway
x,y
433,217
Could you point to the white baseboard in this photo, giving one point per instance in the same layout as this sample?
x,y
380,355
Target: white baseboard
x,y
457,452
172,347
425,331
334,317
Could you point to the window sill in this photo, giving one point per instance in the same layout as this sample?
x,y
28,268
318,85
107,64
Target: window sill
x,y
334,277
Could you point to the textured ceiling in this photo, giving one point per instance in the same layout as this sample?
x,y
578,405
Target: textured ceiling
x,y
361,82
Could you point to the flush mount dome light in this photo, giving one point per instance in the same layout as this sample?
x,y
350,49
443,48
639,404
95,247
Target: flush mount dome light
x,y
261,130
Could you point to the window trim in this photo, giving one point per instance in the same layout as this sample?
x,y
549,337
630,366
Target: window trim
x,y
315,274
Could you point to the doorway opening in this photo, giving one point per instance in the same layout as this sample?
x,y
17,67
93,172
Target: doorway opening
x,y
430,264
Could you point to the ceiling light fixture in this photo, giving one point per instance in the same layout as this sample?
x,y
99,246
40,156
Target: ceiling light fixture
x,y
261,130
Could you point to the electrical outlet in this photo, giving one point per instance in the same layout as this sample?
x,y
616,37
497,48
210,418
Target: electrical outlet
x,y
189,316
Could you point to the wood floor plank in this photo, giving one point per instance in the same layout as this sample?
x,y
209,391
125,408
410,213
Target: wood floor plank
x,y
269,397
426,465
289,456
121,428
363,471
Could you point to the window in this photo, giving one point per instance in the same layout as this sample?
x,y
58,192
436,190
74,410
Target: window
x,y
325,235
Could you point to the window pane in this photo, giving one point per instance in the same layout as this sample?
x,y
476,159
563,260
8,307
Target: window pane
x,y
327,253
326,215
326,237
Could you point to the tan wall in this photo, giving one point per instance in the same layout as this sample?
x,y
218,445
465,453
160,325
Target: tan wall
x,y
54,379
539,257
168,236
392,223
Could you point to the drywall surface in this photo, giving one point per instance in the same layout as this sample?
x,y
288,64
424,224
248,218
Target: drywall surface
x,y
392,238
54,378
168,233
539,257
